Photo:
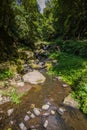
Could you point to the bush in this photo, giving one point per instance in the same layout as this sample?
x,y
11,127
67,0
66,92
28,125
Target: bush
x,y
75,47
5,74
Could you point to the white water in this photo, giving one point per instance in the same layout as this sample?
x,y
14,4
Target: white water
x,y
42,5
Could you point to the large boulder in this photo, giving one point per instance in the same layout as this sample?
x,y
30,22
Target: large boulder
x,y
71,101
34,77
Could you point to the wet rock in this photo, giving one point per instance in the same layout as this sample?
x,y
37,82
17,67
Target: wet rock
x,y
61,110
20,84
32,115
11,122
10,111
0,118
34,77
64,85
26,118
59,77
22,126
32,127
70,101
45,124
29,112
1,112
46,114
36,111
48,103
45,107
52,112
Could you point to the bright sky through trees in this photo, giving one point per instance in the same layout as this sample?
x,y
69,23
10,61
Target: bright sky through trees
x,y
41,4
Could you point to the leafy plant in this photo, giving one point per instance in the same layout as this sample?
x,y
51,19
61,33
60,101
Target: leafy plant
x,y
13,95
5,74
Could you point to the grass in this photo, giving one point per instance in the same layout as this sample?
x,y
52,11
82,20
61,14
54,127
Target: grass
x,y
69,67
13,95
5,74
73,70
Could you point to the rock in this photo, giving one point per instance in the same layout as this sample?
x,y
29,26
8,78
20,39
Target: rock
x,y
65,85
48,103
46,114
45,107
32,115
4,99
32,127
26,118
70,101
61,110
34,77
29,112
36,111
52,112
11,122
22,126
10,111
0,118
45,124
59,77
20,84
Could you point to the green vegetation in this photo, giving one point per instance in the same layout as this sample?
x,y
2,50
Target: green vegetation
x,y
73,70
13,95
5,74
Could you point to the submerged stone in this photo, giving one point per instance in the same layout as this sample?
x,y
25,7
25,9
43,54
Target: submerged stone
x,y
26,118
22,126
45,124
10,111
36,111
45,107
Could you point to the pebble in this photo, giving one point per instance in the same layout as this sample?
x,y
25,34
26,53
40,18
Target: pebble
x,y
52,112
22,126
45,107
61,110
26,118
48,103
46,114
10,111
45,124
29,112
32,127
36,111
65,85
0,118
11,122
20,84
32,115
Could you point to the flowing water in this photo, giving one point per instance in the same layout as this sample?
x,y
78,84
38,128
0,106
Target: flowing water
x,y
53,91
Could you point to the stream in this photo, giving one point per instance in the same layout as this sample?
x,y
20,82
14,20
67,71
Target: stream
x,y
50,92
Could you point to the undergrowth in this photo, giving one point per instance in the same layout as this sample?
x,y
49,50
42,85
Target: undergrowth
x,y
73,70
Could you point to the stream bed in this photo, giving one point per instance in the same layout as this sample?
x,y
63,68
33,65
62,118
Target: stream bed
x,y
50,92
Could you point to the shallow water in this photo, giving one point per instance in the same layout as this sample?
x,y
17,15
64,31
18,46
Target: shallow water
x,y
51,90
